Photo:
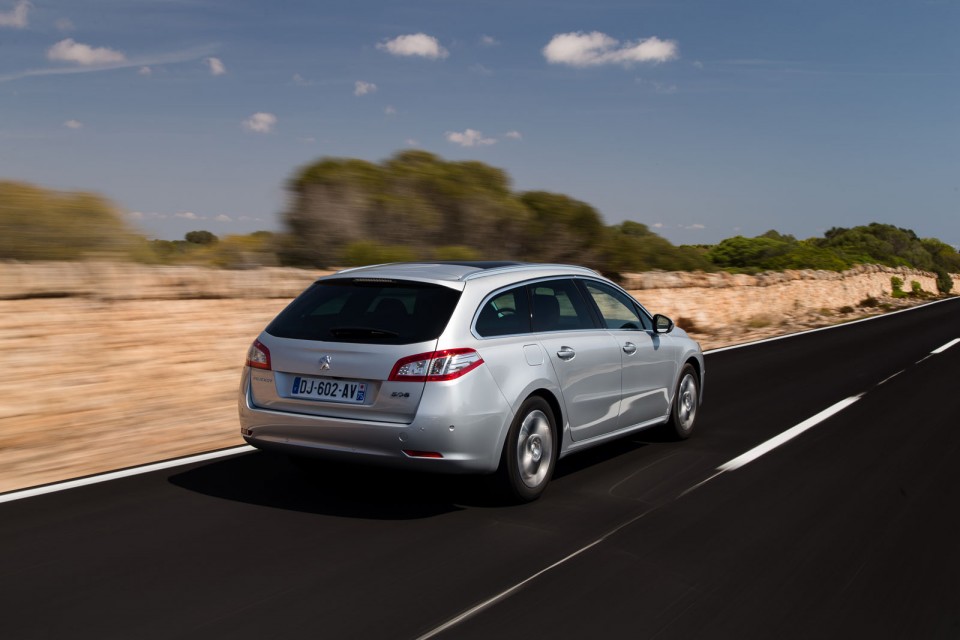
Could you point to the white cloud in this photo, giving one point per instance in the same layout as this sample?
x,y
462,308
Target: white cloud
x,y
172,57
390,110
693,227
361,88
187,215
260,122
468,138
514,135
216,66
308,140
301,81
223,218
64,25
698,64
657,225
489,41
73,124
69,50
482,70
412,142
16,17
145,71
416,44
593,49
141,215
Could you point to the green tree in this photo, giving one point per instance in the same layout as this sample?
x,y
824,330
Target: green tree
x,y
560,229
631,247
413,199
201,237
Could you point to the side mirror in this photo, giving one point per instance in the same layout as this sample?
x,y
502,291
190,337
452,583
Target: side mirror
x,y
662,324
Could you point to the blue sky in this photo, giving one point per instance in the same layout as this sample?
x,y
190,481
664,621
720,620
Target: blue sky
x,y
703,119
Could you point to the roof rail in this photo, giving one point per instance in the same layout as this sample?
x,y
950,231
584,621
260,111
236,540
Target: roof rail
x,y
529,266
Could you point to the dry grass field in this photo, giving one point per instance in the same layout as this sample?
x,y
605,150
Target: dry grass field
x,y
91,386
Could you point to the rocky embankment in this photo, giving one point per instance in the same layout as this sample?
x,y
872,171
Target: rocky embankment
x,y
715,301
110,365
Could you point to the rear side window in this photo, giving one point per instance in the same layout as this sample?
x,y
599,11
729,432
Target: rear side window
x,y
505,314
367,311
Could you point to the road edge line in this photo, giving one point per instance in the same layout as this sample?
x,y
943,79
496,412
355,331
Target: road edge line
x,y
832,326
20,494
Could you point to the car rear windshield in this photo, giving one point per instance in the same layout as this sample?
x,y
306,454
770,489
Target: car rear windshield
x,y
368,311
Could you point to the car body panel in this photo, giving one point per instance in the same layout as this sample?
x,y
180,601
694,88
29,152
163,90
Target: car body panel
x,y
648,376
371,364
590,379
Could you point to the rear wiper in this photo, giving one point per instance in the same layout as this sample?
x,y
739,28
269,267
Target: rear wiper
x,y
363,332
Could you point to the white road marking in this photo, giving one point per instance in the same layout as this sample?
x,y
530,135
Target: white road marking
x,y
787,435
506,593
736,463
122,473
946,346
889,378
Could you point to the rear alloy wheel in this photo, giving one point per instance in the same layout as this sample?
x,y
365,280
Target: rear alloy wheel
x,y
686,401
530,452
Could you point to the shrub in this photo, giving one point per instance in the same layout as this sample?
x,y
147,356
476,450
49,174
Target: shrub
x,y
897,285
944,282
869,302
41,224
846,309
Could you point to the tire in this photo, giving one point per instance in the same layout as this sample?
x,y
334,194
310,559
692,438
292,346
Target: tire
x,y
530,452
686,402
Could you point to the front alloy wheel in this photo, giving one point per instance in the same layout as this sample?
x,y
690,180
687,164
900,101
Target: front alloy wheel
x,y
686,400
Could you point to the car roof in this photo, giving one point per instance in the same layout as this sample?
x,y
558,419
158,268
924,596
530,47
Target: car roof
x,y
457,270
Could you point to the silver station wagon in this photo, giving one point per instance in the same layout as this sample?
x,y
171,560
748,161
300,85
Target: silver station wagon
x,y
475,367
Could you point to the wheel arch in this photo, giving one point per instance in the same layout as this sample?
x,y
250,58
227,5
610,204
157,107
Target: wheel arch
x,y
694,362
555,405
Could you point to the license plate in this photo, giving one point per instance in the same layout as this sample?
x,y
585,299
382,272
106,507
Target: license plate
x,y
331,390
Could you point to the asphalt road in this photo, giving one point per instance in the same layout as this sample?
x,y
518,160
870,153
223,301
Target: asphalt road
x,y
850,529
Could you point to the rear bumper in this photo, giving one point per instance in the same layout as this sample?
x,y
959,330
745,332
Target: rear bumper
x,y
464,420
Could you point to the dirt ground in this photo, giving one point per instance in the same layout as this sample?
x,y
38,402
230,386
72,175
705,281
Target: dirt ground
x,y
92,386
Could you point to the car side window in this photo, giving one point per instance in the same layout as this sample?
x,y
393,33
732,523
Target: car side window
x,y
617,310
558,306
506,313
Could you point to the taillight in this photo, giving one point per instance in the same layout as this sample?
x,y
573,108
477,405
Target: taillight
x,y
258,356
435,366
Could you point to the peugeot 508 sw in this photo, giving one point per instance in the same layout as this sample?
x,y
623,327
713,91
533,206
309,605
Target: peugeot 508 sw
x,y
466,367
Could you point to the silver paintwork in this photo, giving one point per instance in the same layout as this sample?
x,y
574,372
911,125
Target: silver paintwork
x,y
615,382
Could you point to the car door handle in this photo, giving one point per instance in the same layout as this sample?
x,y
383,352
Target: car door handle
x,y
566,353
629,348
